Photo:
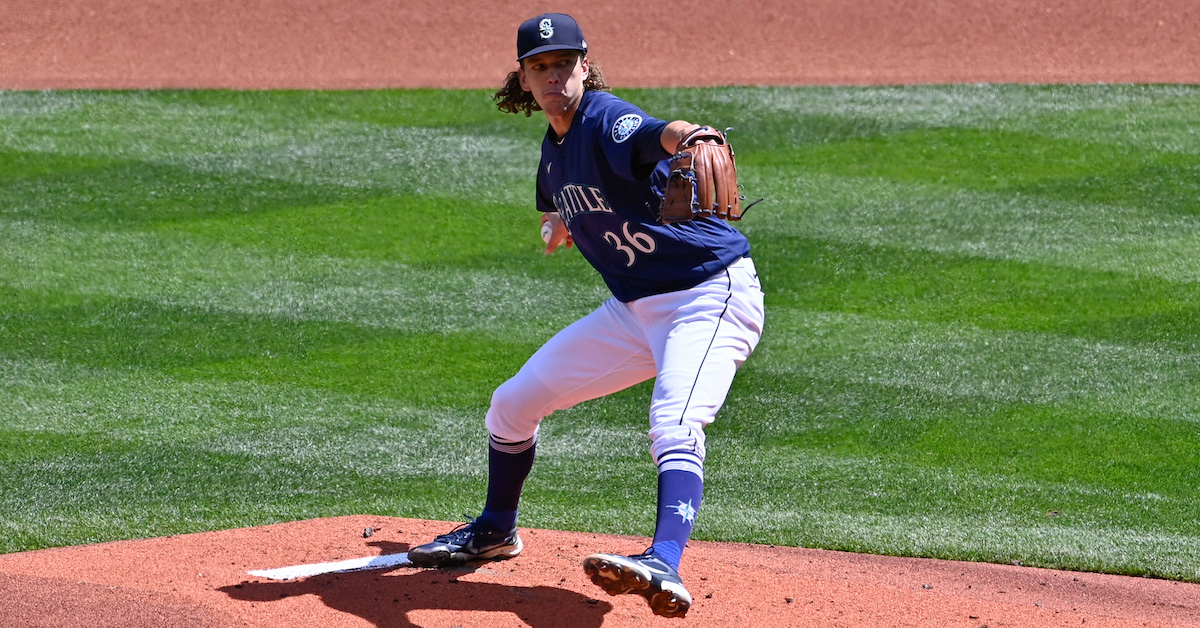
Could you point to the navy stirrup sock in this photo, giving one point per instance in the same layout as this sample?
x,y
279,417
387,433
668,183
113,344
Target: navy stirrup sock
x,y
508,466
679,494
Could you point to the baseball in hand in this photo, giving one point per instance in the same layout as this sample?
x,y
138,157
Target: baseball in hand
x,y
547,232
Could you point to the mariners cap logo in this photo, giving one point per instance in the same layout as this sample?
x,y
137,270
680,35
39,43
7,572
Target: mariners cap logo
x,y
549,31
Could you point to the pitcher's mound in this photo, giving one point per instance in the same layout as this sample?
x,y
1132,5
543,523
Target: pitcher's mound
x,y
203,581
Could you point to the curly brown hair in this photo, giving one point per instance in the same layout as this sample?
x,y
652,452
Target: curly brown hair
x,y
512,99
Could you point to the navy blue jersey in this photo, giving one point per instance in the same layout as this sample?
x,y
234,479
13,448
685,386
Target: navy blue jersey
x,y
605,178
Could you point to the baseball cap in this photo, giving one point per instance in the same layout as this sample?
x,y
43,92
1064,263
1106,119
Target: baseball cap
x,y
549,31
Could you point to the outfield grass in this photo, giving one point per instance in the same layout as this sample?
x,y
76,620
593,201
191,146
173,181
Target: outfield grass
x,y
223,309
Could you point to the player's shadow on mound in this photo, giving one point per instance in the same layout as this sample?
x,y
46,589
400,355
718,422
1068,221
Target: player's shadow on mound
x,y
386,598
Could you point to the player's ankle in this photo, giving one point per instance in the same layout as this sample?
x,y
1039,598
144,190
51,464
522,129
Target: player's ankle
x,y
667,551
500,519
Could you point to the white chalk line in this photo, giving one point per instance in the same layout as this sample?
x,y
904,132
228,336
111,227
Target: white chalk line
x,y
341,566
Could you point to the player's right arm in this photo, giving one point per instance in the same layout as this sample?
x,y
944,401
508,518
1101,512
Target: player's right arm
x,y
559,236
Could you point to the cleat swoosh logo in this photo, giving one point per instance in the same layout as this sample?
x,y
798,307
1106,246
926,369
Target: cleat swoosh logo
x,y
656,570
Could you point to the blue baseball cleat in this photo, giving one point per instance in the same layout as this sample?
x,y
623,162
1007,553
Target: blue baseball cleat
x,y
475,540
643,574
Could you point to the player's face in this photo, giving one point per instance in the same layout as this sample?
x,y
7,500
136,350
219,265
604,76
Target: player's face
x,y
555,79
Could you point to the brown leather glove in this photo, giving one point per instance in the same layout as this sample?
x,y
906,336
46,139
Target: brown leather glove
x,y
703,179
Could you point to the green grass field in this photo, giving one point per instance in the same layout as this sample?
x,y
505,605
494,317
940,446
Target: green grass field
x,y
223,309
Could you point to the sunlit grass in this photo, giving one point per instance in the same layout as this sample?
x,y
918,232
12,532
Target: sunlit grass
x,y
221,309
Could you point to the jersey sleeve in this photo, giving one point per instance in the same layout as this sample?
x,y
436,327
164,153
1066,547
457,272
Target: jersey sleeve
x,y
630,139
649,152
544,202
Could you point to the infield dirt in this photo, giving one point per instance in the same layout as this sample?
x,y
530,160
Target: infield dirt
x,y
201,580
470,43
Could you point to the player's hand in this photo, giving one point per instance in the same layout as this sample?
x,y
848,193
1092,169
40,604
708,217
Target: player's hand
x,y
558,234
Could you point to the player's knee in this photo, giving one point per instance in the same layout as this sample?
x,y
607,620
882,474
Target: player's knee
x,y
511,416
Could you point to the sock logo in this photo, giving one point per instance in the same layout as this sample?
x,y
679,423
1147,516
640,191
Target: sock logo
x,y
685,511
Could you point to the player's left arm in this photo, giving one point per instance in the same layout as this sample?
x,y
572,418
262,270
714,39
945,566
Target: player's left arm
x,y
674,133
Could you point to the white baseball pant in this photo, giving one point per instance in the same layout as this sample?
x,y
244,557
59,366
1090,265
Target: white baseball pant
x,y
692,341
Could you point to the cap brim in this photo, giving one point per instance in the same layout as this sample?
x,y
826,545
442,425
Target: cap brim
x,y
549,47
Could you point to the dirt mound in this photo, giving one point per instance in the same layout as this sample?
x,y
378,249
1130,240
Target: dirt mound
x,y
203,581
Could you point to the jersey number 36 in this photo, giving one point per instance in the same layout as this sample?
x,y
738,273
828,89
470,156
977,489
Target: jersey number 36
x,y
633,243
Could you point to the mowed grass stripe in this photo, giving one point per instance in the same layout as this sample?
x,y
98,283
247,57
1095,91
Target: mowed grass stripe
x,y
1159,118
174,271
951,361
293,146
876,211
114,454
1086,547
